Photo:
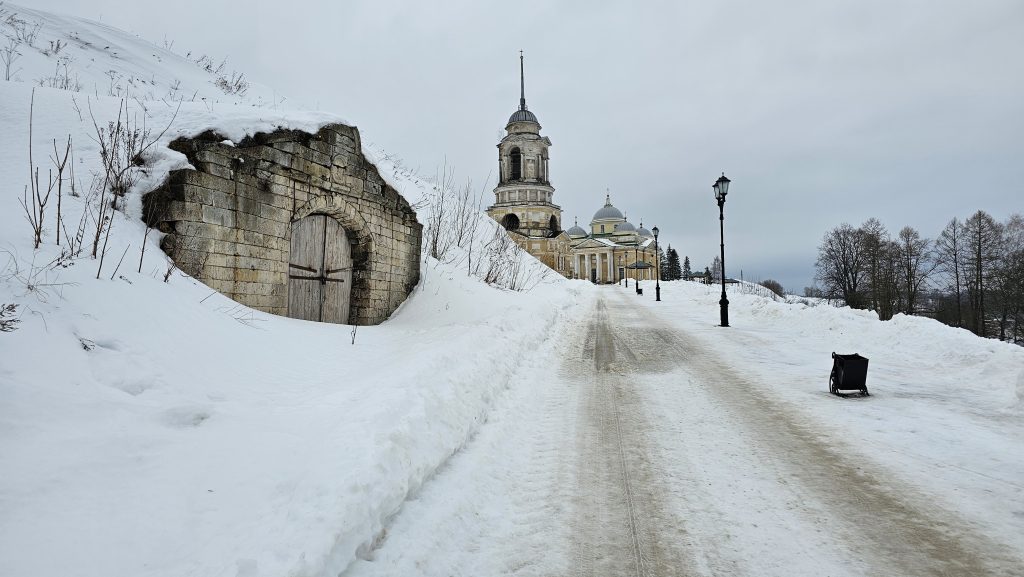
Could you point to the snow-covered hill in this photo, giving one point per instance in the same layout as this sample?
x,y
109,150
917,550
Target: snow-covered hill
x,y
154,428
56,51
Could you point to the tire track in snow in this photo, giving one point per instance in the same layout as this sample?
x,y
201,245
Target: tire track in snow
x,y
620,526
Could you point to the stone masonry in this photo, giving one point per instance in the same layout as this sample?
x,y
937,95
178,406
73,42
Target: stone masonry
x,y
228,222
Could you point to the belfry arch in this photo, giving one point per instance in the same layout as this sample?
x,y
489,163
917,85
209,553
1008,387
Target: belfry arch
x,y
510,222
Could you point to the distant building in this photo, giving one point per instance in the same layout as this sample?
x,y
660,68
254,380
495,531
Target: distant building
x,y
614,249
524,205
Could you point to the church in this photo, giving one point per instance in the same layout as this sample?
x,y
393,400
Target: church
x,y
613,249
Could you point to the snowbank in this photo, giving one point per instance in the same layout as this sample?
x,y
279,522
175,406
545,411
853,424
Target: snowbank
x,y
158,428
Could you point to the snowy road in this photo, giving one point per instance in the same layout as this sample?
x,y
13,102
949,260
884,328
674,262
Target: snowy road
x,y
650,456
688,468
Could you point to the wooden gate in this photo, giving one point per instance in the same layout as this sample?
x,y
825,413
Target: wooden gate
x,y
319,271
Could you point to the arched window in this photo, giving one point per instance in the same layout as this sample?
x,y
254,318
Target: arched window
x,y
517,164
510,222
553,225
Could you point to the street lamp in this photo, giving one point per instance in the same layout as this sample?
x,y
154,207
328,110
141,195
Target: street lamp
x,y
721,189
657,266
635,263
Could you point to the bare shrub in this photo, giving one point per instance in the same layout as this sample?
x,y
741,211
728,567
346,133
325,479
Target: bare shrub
x,y
20,29
122,145
62,78
9,55
55,47
505,264
7,321
440,201
774,286
233,84
34,200
171,267
37,280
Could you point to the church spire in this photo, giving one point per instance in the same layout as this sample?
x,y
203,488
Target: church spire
x,y
522,83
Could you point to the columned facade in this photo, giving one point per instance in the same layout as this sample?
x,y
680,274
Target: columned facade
x,y
613,249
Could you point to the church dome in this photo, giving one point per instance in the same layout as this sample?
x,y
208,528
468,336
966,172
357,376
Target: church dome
x,y
522,115
643,232
608,212
576,231
624,227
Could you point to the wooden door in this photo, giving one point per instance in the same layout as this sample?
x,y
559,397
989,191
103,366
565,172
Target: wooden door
x,y
337,269
319,270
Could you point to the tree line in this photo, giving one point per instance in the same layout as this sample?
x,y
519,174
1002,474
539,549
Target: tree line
x,y
970,276
671,268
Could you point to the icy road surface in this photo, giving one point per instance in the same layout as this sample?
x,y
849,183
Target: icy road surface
x,y
645,454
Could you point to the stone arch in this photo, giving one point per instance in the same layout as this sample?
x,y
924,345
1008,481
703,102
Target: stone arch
x,y
517,164
510,222
357,231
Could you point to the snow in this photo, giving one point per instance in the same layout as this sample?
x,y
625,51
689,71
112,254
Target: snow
x,y
943,421
946,407
154,428
103,61
160,429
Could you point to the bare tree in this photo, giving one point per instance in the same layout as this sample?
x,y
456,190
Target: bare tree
x,y
1009,278
716,269
916,266
840,265
982,237
949,250
879,285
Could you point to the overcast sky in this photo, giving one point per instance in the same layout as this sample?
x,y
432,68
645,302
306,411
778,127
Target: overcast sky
x,y
820,112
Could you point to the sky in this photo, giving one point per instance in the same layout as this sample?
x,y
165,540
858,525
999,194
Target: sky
x,y
820,113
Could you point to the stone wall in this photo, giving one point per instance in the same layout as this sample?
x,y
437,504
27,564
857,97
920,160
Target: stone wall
x,y
228,222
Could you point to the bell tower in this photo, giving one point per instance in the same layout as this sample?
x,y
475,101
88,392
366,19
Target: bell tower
x,y
523,199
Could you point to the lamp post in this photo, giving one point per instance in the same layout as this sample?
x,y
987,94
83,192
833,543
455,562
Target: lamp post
x,y
635,263
657,266
721,189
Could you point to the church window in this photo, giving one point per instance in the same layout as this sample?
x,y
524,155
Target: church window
x,y
553,225
602,228
517,164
